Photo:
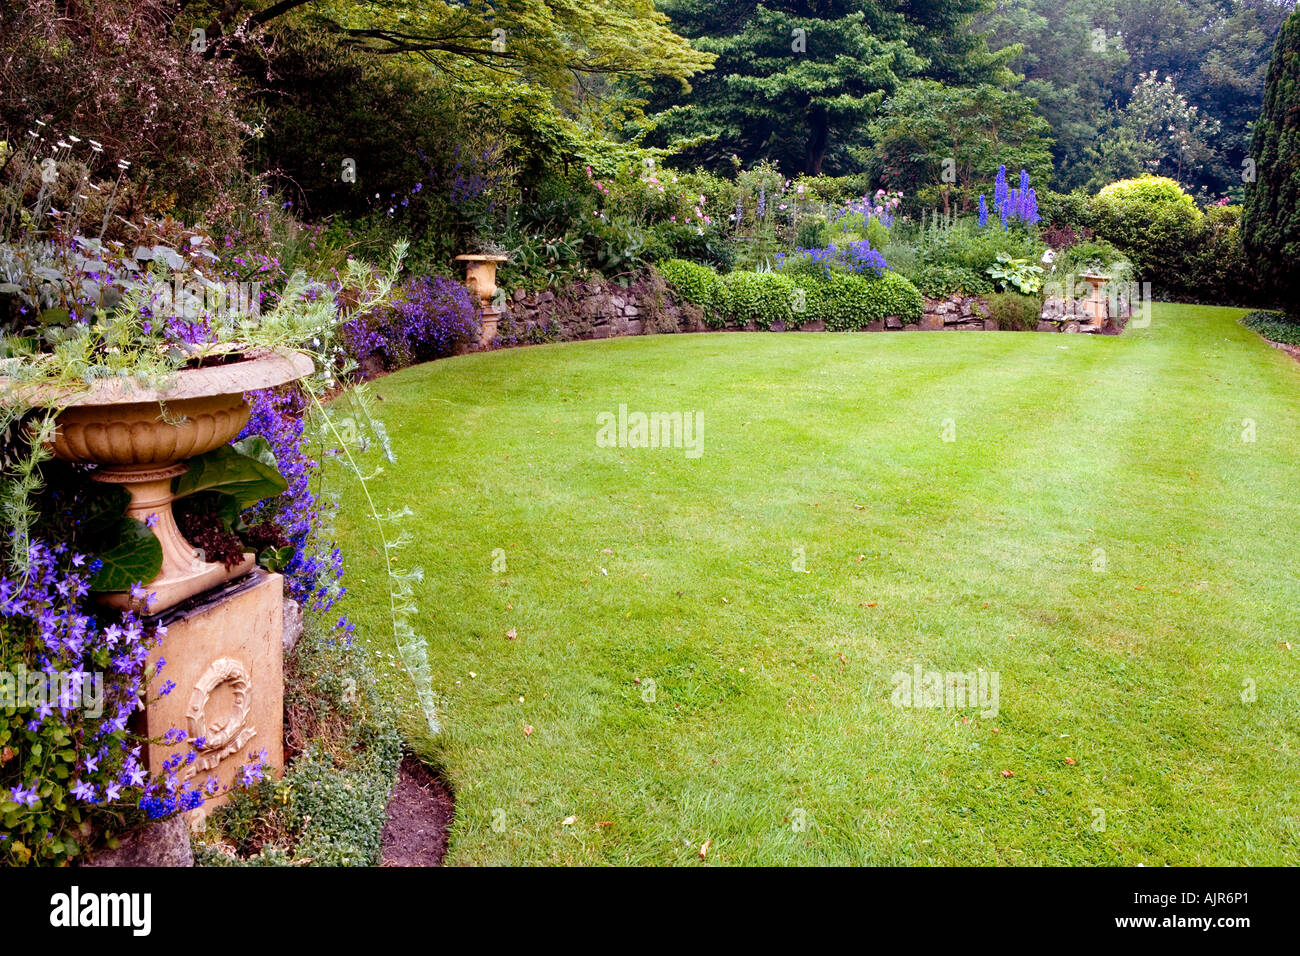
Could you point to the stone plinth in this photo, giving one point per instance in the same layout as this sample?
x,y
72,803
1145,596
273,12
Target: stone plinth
x,y
1096,307
481,280
224,653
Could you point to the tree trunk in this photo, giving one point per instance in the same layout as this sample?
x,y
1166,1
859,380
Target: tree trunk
x,y
819,134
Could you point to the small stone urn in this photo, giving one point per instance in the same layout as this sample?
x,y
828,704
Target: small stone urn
x,y
1095,307
139,438
481,280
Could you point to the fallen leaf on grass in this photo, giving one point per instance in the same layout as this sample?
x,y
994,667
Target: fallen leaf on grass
x,y
604,823
568,821
510,634
1071,761
1007,773
704,849
528,731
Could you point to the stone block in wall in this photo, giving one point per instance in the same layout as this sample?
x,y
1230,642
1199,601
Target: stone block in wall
x,y
815,325
166,843
932,323
875,327
893,322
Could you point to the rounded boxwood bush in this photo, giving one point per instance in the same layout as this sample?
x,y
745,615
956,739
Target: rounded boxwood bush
x,y
764,298
1153,222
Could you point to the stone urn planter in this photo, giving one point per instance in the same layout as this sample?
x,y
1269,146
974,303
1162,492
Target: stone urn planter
x,y
481,280
124,430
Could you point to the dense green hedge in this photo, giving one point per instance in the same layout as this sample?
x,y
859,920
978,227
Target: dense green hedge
x,y
847,301
696,283
844,301
764,298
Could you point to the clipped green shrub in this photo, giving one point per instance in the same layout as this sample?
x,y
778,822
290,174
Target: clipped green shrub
x,y
847,301
1014,312
693,282
1155,224
764,298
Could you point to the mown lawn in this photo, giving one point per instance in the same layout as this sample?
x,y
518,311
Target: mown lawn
x,y
1100,534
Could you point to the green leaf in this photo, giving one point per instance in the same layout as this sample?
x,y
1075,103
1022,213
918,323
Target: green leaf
x,y
102,512
136,556
246,471
54,317
275,559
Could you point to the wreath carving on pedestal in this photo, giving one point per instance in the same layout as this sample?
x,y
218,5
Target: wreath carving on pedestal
x,y
229,732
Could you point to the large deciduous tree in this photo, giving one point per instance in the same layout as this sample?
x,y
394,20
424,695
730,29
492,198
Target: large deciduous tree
x,y
549,42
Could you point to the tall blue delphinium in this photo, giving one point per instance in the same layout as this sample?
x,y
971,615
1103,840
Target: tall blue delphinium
x,y
984,211
1020,203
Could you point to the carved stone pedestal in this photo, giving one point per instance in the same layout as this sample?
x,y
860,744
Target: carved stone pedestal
x,y
223,651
